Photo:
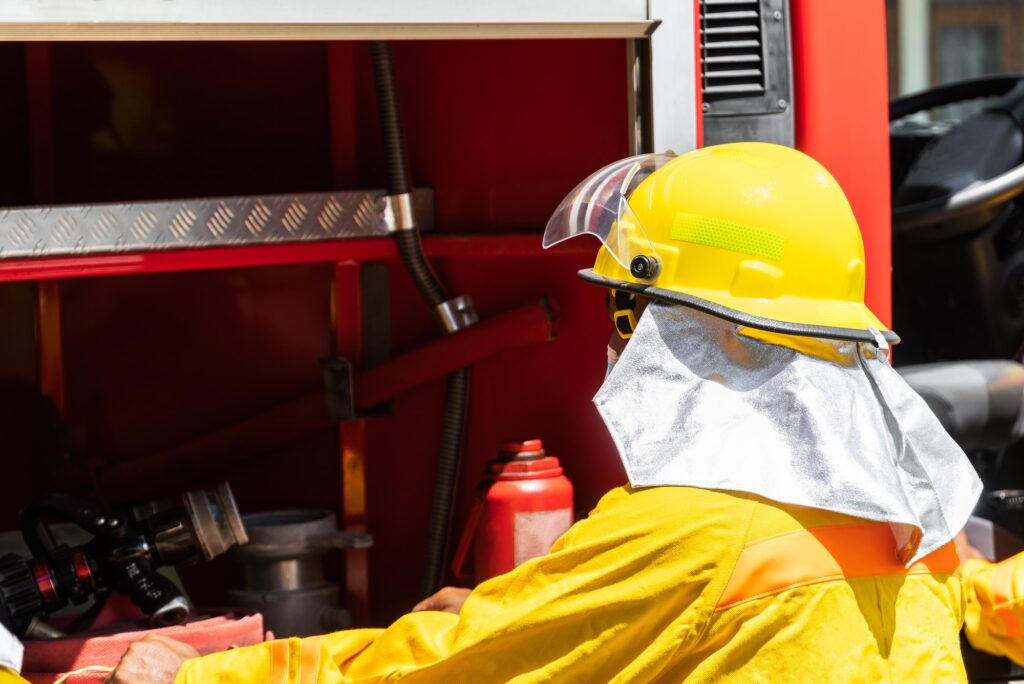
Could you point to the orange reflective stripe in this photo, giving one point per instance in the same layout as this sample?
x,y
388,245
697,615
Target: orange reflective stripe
x,y
809,556
309,659
279,661
1003,597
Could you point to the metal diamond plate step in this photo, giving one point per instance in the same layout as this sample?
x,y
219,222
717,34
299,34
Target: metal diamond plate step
x,y
184,224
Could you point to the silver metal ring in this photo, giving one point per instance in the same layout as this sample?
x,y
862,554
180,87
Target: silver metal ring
x,y
399,212
456,314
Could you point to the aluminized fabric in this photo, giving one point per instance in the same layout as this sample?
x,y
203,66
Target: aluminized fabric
x,y
694,401
11,650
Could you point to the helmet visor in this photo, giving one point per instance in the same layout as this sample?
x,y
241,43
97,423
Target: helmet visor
x,y
599,206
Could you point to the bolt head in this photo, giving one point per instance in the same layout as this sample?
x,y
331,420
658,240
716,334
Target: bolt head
x,y
783,104
706,107
643,267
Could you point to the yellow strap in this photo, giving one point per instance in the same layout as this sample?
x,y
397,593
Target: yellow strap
x,y
630,326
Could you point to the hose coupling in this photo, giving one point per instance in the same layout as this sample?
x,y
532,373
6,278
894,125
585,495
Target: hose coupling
x,y
399,212
456,314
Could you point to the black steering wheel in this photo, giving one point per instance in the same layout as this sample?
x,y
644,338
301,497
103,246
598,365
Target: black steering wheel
x,y
1008,88
951,93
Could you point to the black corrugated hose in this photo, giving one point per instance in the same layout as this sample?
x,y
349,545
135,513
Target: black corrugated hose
x,y
411,251
409,246
445,479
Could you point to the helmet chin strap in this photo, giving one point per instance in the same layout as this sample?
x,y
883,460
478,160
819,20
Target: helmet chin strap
x,y
622,307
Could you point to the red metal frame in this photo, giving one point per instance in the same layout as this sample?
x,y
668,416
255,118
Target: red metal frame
x,y
372,249
235,445
150,476
523,326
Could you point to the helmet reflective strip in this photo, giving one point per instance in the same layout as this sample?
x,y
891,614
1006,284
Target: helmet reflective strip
x,y
735,237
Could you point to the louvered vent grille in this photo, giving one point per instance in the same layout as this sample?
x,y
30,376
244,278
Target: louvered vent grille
x,y
732,51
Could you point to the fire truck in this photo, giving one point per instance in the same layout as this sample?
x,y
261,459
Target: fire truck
x,y
296,246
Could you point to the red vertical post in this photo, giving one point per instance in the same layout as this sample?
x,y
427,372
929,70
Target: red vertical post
x,y
348,326
842,118
348,331
49,342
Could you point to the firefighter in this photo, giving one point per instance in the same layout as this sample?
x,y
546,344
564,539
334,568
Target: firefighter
x,y
791,502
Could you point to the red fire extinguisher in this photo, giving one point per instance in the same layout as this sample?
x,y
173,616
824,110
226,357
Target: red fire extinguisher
x,y
524,504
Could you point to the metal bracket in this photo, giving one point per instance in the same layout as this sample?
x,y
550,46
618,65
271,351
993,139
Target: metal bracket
x,y
456,314
208,222
339,399
398,213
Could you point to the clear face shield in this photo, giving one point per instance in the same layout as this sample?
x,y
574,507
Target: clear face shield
x,y
599,207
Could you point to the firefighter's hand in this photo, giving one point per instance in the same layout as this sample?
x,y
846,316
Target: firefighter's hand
x,y
964,548
153,660
449,599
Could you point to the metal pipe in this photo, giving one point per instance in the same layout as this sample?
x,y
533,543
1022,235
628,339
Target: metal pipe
x,y
283,572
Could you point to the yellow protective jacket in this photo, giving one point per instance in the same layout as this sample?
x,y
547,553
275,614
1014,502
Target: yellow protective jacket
x,y
8,676
664,584
995,606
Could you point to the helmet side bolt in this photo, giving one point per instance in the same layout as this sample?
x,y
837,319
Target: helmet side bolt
x,y
644,267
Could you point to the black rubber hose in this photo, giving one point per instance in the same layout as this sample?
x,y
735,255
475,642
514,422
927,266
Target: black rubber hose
x,y
457,393
409,246
411,250
445,479
390,118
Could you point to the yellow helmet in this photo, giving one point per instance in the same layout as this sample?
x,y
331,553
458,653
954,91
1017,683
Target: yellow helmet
x,y
755,233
